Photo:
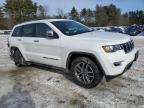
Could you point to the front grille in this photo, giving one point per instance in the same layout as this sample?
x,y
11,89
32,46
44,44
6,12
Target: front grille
x,y
128,47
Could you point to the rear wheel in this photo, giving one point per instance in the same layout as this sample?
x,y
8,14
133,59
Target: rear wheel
x,y
19,59
85,72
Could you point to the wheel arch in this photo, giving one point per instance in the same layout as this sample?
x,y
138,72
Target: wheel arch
x,y
91,56
16,48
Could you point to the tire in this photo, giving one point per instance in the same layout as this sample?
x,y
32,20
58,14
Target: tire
x,y
85,72
19,59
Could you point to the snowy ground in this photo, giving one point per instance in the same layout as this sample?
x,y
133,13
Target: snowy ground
x,y
39,87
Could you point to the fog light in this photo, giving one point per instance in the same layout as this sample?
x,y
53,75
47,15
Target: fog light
x,y
117,63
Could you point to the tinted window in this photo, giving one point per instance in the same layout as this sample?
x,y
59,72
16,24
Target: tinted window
x,y
41,29
17,32
28,30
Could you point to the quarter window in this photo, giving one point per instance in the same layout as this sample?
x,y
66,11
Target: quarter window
x,y
17,32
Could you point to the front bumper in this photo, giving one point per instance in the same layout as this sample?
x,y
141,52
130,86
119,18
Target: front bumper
x,y
128,66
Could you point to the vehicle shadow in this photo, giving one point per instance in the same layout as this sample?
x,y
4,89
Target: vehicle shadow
x,y
18,98
54,70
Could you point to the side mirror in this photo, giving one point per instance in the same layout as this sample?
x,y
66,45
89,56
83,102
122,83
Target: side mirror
x,y
50,33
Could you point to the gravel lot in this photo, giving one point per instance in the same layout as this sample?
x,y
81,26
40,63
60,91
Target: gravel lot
x,y
40,87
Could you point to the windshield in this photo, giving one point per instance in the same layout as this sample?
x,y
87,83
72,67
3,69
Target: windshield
x,y
71,27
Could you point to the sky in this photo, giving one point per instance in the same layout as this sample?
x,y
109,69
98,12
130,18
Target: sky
x,y
66,5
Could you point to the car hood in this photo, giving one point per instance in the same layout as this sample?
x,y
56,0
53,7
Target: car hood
x,y
103,37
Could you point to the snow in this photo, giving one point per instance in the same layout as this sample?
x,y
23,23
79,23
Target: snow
x,y
138,37
39,87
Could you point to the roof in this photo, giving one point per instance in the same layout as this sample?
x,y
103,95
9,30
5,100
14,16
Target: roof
x,y
44,20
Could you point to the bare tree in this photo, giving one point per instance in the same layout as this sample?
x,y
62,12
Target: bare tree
x,y
60,13
42,12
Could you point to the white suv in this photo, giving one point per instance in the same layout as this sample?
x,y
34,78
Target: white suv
x,y
86,54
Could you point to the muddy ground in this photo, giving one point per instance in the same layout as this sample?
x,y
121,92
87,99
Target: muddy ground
x,y
40,87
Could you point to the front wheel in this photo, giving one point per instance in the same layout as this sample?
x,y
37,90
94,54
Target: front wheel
x,y
85,72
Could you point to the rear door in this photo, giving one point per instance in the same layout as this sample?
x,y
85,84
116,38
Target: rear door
x,y
27,41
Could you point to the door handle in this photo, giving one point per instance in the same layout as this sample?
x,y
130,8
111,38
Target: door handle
x,y
36,40
18,39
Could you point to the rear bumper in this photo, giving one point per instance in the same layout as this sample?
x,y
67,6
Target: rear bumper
x,y
128,66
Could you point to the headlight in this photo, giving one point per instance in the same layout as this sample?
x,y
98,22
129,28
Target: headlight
x,y
111,48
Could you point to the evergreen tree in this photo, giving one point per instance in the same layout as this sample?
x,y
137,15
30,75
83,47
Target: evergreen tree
x,y
136,17
87,16
1,18
123,20
1,14
20,10
113,14
83,15
90,15
74,14
42,12
101,16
